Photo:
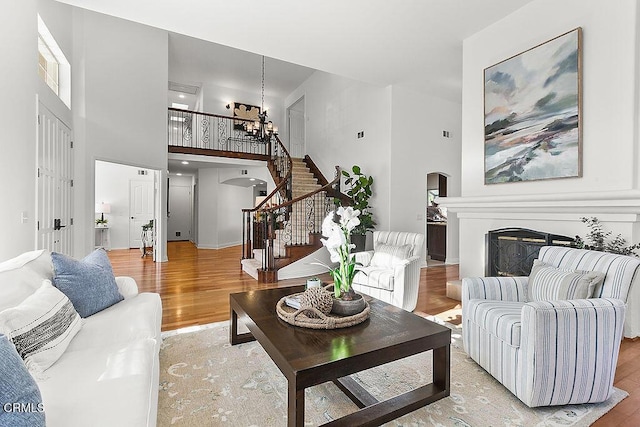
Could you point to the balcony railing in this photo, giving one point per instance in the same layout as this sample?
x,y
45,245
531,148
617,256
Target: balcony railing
x,y
195,131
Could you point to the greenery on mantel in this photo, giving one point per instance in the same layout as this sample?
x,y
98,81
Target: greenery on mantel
x,y
599,240
360,191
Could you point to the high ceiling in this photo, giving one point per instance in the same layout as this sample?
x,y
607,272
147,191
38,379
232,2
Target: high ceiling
x,y
195,61
377,41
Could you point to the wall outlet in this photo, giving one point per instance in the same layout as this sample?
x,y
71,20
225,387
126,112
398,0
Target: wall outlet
x,y
361,134
178,233
446,134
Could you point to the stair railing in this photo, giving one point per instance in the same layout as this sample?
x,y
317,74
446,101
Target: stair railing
x,y
294,222
281,166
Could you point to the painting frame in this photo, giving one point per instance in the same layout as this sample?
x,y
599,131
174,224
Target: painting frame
x,y
244,111
533,113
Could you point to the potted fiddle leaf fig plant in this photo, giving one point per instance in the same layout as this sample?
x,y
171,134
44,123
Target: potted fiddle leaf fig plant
x,y
360,191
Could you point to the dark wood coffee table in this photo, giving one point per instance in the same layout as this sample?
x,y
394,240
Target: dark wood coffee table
x,y
308,357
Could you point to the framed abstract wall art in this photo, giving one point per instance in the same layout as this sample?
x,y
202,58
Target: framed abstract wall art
x,y
532,113
244,111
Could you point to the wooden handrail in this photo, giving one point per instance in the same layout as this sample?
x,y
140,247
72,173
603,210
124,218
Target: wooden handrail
x,y
282,183
179,110
315,170
327,187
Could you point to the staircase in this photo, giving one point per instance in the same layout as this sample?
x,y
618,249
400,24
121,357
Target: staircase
x,y
294,231
303,180
287,225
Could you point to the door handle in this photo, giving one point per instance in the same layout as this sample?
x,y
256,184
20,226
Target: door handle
x,y
57,225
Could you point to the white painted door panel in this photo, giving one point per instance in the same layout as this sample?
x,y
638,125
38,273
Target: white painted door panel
x,y
54,226
140,210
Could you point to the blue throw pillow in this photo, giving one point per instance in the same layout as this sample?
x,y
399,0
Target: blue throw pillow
x,y
20,399
89,283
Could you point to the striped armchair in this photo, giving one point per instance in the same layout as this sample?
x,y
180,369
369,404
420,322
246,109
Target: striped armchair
x,y
552,352
391,272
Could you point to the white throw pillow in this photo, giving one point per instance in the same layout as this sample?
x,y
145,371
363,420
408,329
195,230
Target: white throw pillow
x,y
548,283
388,256
22,276
41,327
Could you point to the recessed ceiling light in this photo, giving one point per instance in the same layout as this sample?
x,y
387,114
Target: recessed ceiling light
x,y
180,106
252,179
177,119
179,174
175,128
181,96
184,162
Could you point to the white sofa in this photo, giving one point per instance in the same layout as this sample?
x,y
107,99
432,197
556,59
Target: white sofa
x,y
108,376
398,282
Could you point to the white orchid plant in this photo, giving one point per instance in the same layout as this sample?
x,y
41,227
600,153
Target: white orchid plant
x,y
337,228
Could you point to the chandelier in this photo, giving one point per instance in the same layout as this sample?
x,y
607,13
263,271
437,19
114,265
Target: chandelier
x,y
262,129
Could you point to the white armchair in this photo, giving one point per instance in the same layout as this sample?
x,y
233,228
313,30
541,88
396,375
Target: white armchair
x,y
391,272
551,352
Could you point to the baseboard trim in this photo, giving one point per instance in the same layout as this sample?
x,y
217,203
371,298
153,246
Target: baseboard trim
x,y
222,246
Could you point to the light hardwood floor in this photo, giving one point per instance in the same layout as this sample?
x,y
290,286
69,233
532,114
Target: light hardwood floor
x,y
195,286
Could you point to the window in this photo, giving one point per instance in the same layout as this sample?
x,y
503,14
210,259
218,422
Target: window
x,y
47,66
53,67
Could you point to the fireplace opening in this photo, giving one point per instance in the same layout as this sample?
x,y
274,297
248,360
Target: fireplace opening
x,y
511,251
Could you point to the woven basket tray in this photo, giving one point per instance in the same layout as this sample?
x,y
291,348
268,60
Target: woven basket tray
x,y
332,321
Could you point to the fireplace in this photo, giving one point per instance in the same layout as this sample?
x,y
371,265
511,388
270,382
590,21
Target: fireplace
x,y
511,251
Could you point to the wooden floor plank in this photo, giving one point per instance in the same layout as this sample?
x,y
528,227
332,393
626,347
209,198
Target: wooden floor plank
x,y
195,286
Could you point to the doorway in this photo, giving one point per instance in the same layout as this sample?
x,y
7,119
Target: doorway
x,y
130,193
296,120
436,217
180,216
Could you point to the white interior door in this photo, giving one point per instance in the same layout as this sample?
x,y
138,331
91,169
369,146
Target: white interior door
x,y
54,226
296,134
140,210
180,216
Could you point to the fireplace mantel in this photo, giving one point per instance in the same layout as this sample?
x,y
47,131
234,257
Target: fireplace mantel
x,y
584,204
554,213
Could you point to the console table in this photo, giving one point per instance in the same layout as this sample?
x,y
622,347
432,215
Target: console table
x,y
102,237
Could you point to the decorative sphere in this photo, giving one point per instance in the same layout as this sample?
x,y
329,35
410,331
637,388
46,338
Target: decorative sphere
x,y
317,298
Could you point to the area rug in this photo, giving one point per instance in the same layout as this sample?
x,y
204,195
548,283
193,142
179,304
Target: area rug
x,y
204,381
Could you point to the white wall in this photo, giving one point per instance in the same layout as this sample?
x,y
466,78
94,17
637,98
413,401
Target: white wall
x,y
220,209
119,76
18,77
609,186
418,148
207,188
112,185
609,74
338,108
232,200
215,98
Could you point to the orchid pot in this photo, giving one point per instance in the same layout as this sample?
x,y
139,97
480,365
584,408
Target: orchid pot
x,y
336,230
